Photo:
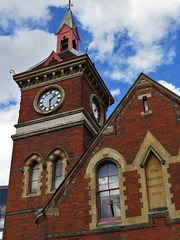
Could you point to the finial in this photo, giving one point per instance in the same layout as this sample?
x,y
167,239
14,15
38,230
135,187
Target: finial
x,y
70,4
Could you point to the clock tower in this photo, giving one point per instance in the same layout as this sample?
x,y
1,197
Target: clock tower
x,y
63,106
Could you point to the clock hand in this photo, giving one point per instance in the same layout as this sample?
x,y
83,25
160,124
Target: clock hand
x,y
51,99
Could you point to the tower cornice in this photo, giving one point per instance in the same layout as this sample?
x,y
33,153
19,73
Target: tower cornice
x,y
80,66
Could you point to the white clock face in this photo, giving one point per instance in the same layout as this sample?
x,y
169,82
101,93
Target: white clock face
x,y
49,100
96,110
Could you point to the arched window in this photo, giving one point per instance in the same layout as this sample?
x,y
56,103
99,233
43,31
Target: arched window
x,y
64,43
57,172
34,178
108,193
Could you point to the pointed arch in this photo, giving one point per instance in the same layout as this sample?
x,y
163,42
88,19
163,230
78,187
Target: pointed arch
x,y
151,150
149,145
27,170
34,156
60,156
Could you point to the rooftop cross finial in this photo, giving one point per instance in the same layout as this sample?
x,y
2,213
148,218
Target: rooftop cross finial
x,y
70,4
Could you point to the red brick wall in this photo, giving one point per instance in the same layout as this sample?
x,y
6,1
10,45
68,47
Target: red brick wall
x,y
174,171
159,229
20,226
74,207
162,123
133,195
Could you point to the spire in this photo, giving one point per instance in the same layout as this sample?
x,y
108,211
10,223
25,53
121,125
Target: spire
x,y
67,35
68,19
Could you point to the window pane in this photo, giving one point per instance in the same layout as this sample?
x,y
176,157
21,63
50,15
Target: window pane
x,y
103,171
113,182
4,196
3,210
58,170
35,175
105,211
34,186
145,106
59,161
115,197
112,169
34,178
1,223
1,197
115,210
103,183
57,182
104,197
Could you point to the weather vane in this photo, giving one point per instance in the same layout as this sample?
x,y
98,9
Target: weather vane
x,y
70,4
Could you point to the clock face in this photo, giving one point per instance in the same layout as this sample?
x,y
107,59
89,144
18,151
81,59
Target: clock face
x,y
49,100
96,110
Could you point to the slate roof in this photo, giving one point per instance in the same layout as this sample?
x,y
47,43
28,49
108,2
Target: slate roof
x,y
64,55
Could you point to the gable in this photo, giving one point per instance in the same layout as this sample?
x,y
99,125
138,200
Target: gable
x,y
126,139
52,59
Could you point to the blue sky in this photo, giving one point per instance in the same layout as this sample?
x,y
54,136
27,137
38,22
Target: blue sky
x,y
124,38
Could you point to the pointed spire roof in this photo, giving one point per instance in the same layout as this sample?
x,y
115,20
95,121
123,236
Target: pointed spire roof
x,y
68,19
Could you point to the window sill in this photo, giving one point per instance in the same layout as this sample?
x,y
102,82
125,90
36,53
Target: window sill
x,y
109,224
32,194
147,113
158,210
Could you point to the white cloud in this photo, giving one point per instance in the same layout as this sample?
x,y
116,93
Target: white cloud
x,y
19,10
144,25
19,52
170,86
115,92
8,118
131,36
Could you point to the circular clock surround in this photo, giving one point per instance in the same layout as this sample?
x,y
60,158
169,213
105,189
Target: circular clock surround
x,y
96,109
49,99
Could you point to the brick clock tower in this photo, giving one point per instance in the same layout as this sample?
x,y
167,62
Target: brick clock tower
x,y
63,106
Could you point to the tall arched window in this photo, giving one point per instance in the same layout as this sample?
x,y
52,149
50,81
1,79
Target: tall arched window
x,y
34,178
108,193
57,172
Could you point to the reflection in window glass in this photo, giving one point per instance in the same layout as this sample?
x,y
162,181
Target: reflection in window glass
x,y
108,192
57,172
34,178
113,182
103,171
3,199
103,183
145,104
112,169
